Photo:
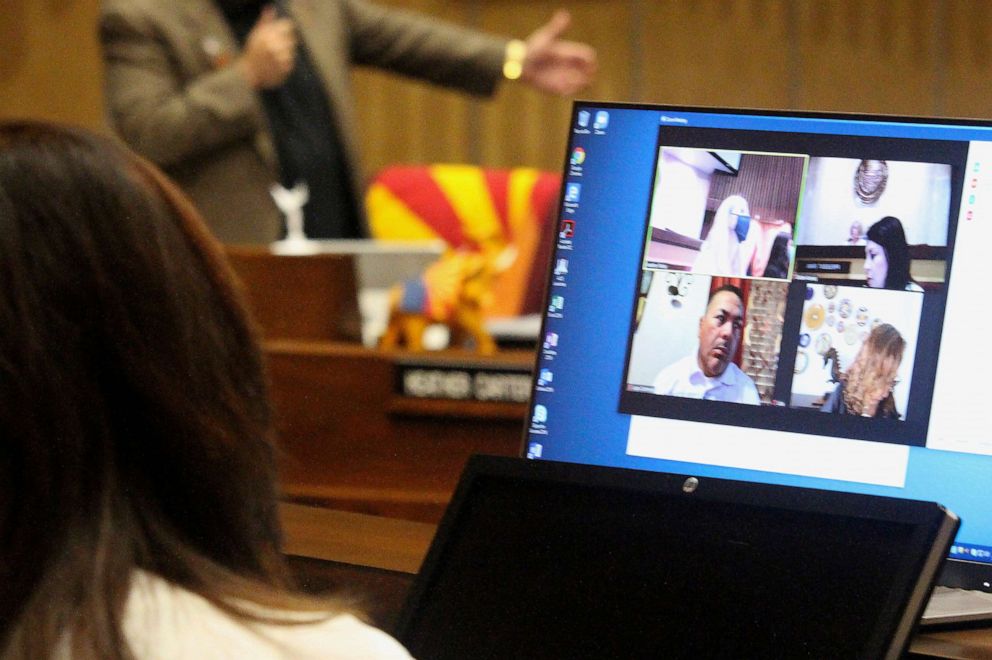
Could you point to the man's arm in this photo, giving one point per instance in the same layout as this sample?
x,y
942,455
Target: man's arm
x,y
450,55
668,378
423,47
743,386
163,117
751,395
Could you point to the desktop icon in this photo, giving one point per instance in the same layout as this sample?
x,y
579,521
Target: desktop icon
x,y
540,414
567,229
557,304
602,120
534,450
572,192
578,156
584,116
550,340
544,378
561,266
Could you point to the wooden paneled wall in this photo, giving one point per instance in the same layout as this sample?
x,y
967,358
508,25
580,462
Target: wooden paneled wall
x,y
926,57
50,61
916,57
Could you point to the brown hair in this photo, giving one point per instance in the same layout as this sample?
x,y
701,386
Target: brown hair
x,y
870,378
133,401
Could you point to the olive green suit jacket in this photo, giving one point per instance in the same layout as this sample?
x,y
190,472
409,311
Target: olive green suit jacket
x,y
174,97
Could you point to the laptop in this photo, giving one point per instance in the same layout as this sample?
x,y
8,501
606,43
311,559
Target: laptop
x,y
556,560
851,248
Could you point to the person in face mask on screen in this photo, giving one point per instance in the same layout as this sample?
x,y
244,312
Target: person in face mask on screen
x,y
730,244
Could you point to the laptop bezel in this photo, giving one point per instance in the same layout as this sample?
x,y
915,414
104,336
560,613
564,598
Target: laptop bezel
x,y
934,529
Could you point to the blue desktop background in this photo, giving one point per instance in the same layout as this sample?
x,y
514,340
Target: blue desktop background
x,y
583,424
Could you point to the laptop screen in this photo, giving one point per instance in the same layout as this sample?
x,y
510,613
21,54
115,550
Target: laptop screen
x,y
552,560
788,298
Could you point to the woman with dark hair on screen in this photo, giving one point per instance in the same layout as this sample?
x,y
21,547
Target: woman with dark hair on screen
x,y
778,257
137,488
887,257
865,389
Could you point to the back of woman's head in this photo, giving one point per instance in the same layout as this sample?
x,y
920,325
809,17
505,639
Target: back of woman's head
x,y
780,244
873,373
132,398
778,256
884,347
888,232
780,248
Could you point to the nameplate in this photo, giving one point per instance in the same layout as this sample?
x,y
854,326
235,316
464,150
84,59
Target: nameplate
x,y
464,382
824,267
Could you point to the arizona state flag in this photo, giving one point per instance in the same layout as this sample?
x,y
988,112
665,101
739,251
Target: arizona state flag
x,y
468,206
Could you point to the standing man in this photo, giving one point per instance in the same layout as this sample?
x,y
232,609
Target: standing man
x,y
231,96
710,373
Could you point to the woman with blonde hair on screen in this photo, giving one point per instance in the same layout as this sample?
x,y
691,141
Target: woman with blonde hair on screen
x,y
138,502
866,387
730,244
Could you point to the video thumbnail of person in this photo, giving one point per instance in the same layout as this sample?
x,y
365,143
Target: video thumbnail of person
x,y
707,338
724,213
856,349
883,223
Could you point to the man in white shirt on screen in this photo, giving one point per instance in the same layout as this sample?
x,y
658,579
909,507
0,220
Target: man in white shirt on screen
x,y
710,373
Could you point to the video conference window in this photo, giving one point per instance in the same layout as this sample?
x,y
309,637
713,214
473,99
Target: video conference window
x,y
728,213
883,223
856,349
712,338
794,282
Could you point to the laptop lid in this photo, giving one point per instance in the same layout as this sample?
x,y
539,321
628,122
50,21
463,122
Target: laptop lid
x,y
545,559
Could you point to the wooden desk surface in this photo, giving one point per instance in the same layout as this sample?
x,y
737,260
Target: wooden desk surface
x,y
972,644
400,545
355,538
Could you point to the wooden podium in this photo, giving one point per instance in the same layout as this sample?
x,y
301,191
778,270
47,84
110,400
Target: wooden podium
x,y
363,430
311,297
353,441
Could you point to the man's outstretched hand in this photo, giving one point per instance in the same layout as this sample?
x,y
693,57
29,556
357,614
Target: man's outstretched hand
x,y
555,65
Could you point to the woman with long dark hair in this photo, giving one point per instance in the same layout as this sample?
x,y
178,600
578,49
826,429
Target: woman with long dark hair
x,y
137,487
778,257
887,257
